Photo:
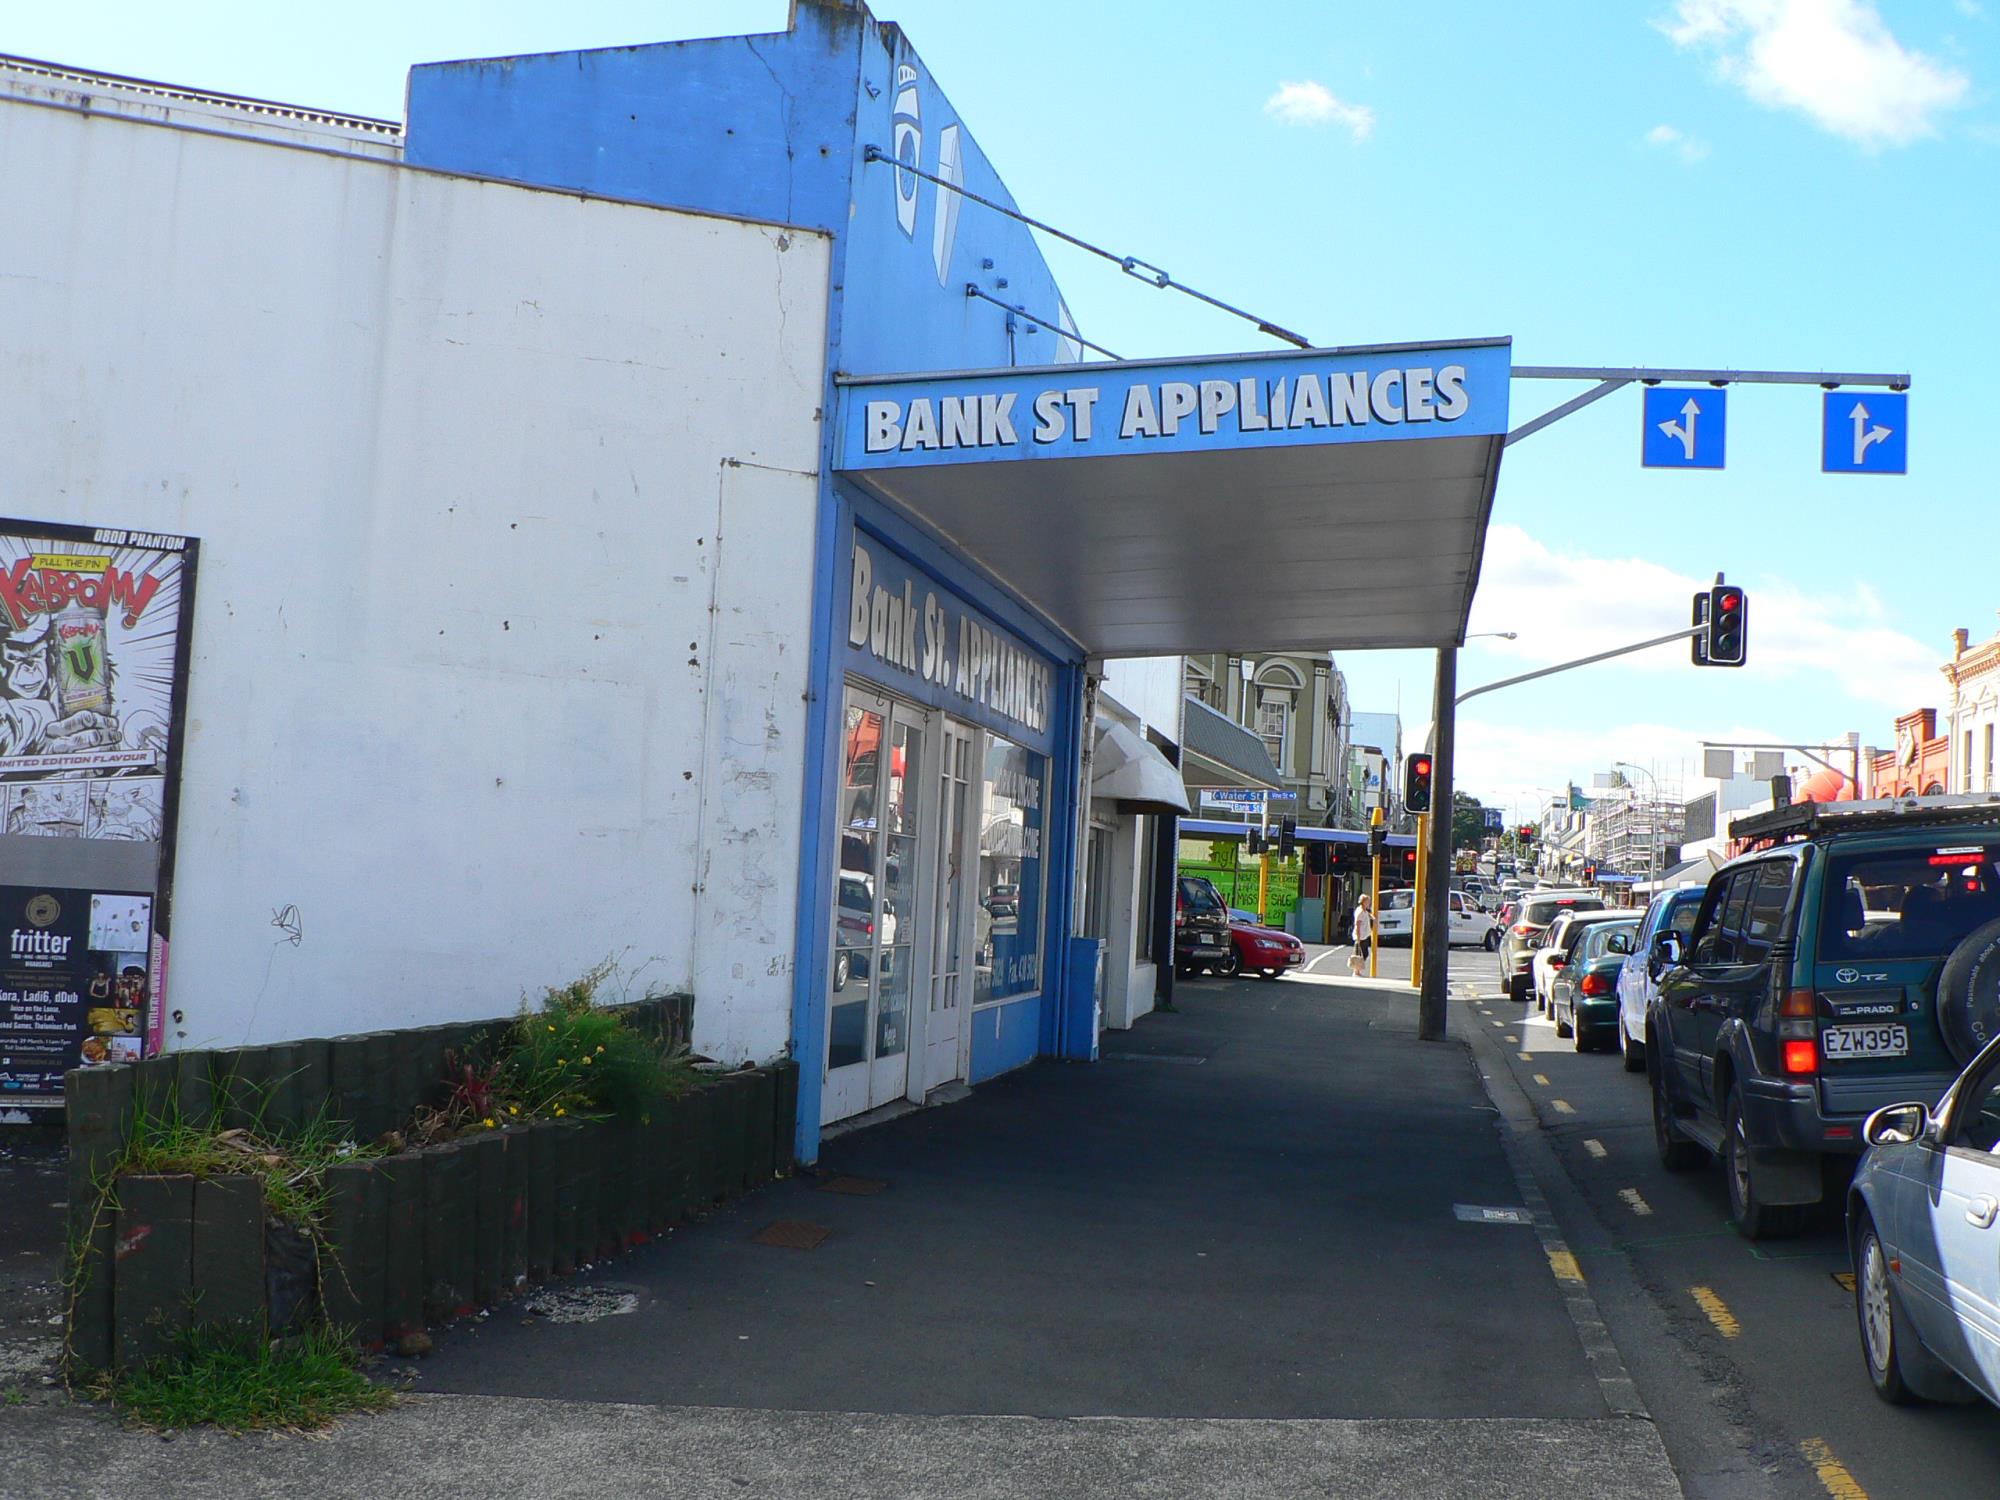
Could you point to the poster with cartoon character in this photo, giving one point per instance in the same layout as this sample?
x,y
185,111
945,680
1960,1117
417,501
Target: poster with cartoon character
x,y
93,660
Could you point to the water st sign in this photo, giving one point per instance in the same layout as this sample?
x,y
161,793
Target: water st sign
x,y
1683,427
1865,432
1229,796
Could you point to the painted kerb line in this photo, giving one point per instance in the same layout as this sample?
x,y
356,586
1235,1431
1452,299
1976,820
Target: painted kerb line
x,y
1832,1473
1717,1310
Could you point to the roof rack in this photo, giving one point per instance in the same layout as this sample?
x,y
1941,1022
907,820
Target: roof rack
x,y
1804,819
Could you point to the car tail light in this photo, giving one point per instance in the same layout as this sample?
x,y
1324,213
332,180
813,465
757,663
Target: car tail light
x,y
1798,1031
1595,984
1526,929
1556,960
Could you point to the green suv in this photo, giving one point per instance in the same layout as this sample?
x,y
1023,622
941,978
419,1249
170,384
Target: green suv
x,y
1851,960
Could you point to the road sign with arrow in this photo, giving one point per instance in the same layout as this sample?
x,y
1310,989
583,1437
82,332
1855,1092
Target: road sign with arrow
x,y
1865,432
1684,427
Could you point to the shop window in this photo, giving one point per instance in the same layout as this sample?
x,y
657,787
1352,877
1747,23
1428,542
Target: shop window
x,y
1007,922
1142,929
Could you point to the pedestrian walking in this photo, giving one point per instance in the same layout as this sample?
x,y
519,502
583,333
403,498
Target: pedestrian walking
x,y
1364,936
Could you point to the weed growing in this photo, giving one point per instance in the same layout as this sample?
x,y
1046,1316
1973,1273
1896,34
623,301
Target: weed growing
x,y
235,1380
292,1165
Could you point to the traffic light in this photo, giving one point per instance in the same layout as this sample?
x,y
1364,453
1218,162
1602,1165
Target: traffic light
x,y
1253,841
1722,615
1727,636
1288,837
1376,838
1417,783
1525,833
1590,872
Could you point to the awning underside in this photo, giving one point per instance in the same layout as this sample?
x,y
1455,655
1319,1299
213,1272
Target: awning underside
x,y
1361,546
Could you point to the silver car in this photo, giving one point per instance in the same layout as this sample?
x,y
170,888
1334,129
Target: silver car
x,y
1923,1227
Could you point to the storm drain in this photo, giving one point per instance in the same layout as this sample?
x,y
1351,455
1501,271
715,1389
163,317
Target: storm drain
x,y
853,1187
792,1234
1477,1213
1184,1058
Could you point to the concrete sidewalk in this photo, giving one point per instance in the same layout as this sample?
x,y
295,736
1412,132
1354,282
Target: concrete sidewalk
x,y
1227,1260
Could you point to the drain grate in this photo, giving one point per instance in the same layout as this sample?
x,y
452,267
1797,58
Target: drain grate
x,y
1186,1058
853,1187
792,1234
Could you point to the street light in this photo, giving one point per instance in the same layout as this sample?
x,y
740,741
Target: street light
x,y
1503,635
1652,831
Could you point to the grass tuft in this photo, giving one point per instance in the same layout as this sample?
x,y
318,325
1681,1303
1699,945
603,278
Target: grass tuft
x,y
234,1380
292,1166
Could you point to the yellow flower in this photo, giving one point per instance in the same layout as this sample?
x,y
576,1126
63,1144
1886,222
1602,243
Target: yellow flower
x,y
513,1109
560,1110
561,1061
586,1061
489,1122
600,1046
552,1028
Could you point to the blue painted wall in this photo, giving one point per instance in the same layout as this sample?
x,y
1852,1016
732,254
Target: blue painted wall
x,y
777,127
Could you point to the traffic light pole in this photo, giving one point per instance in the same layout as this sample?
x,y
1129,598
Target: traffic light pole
x,y
1581,661
1375,890
1434,857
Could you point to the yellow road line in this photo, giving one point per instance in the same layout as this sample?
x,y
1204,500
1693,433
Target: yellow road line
x,y
1542,1079
1596,1149
1563,1106
1840,1484
1717,1310
1845,1280
1564,1265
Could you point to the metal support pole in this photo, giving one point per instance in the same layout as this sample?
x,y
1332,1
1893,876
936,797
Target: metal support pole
x,y
1417,909
1375,901
1435,855
1264,868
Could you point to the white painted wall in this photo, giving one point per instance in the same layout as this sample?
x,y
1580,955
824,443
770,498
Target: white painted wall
x,y
1142,692
506,503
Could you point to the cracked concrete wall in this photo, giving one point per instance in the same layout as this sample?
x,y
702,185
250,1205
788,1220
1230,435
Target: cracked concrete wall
x,y
455,451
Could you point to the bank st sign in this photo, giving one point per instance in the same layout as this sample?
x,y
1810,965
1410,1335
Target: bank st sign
x,y
902,624
1285,400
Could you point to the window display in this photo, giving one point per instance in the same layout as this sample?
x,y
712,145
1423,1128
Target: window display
x,y
1007,925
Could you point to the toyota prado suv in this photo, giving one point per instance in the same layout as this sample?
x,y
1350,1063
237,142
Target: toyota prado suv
x,y
1851,960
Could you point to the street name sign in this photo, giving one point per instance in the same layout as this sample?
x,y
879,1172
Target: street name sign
x,y
1865,432
1684,427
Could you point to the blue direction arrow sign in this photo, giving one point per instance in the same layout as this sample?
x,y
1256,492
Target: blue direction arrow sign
x,y
1684,427
1865,432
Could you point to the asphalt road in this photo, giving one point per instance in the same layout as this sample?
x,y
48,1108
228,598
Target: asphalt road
x,y
1747,1354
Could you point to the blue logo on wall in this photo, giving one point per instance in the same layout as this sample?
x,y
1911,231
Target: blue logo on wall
x,y
1865,432
1684,427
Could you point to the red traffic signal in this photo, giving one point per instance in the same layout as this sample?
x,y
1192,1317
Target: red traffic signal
x,y
1417,783
1721,617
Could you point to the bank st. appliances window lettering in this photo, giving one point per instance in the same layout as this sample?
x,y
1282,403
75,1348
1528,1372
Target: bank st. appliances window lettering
x,y
1008,919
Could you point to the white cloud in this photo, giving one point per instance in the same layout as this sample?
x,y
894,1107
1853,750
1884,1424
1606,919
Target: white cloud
x,y
1835,61
1689,149
1312,103
1569,604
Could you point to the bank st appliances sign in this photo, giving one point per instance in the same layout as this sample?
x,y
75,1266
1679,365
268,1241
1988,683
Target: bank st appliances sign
x,y
1250,401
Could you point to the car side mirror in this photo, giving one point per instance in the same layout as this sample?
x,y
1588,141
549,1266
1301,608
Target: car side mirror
x,y
1668,952
1896,1125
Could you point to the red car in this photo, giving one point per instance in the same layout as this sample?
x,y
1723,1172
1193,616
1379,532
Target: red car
x,y
1262,950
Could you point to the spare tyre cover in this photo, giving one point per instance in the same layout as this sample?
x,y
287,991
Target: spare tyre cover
x,y
1968,997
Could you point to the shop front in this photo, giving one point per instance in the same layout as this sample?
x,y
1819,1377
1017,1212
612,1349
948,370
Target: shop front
x,y
940,952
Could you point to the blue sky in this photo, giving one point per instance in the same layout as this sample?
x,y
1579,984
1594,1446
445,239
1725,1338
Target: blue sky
x,y
1796,184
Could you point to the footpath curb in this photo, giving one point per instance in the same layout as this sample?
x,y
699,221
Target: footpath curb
x,y
1521,1139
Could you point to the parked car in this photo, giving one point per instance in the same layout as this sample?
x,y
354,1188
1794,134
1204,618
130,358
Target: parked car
x,y
1557,946
1202,944
1518,940
1269,951
1835,971
1583,997
1923,1238
1640,974
1470,927
1396,919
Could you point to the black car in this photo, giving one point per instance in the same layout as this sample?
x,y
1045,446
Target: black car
x,y
1851,962
1202,944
